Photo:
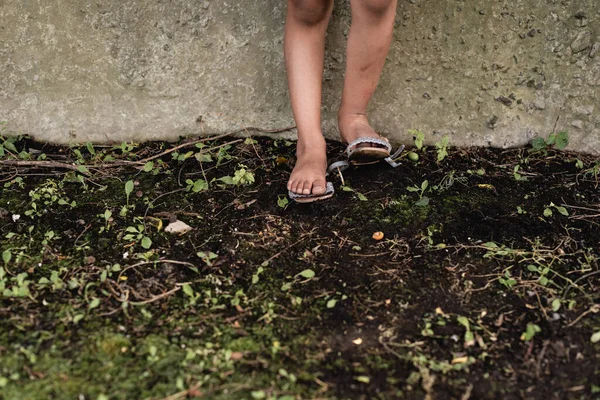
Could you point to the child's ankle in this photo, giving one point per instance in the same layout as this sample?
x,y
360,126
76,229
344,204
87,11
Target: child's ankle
x,y
312,145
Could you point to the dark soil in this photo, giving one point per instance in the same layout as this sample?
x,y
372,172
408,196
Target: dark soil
x,y
87,313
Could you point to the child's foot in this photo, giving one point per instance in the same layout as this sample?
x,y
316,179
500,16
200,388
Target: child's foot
x,y
354,126
308,176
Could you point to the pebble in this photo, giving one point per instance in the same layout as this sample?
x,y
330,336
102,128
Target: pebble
x,y
577,124
582,41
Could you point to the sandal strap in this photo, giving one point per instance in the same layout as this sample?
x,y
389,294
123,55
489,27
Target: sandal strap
x,y
390,159
328,191
338,165
352,146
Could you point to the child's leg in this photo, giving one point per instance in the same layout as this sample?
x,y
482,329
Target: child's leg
x,y
304,47
368,45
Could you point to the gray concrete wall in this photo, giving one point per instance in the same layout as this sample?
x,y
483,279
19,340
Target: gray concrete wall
x,y
77,71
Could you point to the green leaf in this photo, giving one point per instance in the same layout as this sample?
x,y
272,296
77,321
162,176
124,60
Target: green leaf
x,y
538,143
94,303
547,212
187,289
6,256
361,197
556,305
78,318
563,211
423,202
491,245
595,337
83,169
307,274
90,148
562,140
149,166
10,146
331,303
532,268
258,394
363,379
424,185
282,201
146,242
199,186
128,187
464,321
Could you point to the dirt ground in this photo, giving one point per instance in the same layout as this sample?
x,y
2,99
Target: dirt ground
x,y
484,285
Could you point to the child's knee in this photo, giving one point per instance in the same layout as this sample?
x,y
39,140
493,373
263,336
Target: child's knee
x,y
378,7
310,12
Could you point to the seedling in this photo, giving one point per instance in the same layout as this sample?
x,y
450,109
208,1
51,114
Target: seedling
x,y
359,195
442,148
532,330
418,136
423,200
136,234
548,210
555,140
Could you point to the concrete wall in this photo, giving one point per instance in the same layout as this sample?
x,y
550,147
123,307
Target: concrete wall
x,y
77,71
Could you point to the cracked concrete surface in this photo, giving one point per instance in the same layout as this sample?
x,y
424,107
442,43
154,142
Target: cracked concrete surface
x,y
493,73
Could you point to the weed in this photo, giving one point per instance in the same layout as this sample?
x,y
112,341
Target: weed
x,y
555,140
442,148
418,137
137,234
548,210
423,200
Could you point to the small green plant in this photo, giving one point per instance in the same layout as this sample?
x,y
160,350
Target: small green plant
x,y
423,200
207,257
555,140
136,234
548,210
199,185
45,196
241,177
359,195
128,189
530,332
517,175
442,148
507,280
418,137
282,201
107,216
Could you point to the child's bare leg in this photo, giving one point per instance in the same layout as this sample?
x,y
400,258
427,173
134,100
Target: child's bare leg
x,y
304,48
368,45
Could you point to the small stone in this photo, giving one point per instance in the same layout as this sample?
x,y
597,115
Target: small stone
x,y
539,103
504,100
531,33
595,50
582,41
178,227
577,124
584,110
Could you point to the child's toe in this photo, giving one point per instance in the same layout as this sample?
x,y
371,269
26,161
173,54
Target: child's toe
x,y
319,187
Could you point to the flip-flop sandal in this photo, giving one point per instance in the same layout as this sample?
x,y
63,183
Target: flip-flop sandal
x,y
329,189
380,149
368,150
